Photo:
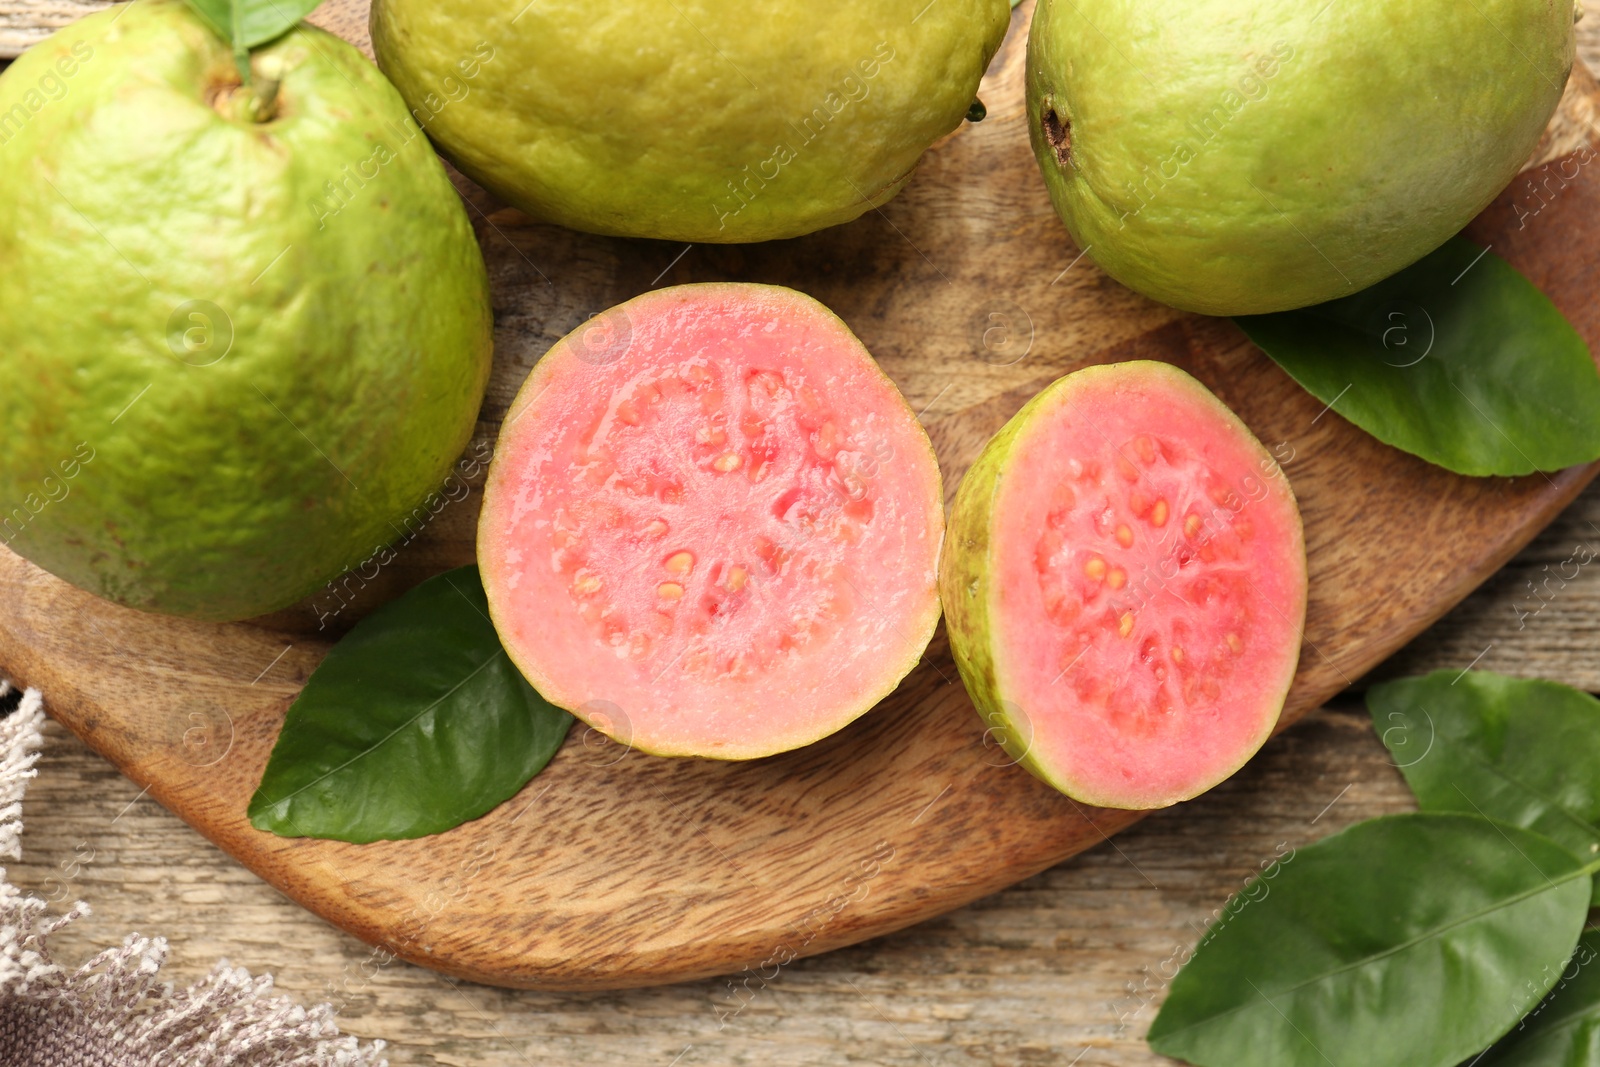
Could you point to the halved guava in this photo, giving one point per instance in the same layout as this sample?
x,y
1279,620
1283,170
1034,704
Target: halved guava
x,y
712,524
1125,586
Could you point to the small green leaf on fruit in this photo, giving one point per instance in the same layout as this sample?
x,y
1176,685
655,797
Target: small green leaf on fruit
x,y
1518,750
1405,941
417,721
1458,359
246,24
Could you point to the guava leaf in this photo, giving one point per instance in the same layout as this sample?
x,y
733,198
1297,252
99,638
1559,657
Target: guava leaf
x,y
417,721
1521,751
1458,359
1405,941
244,24
1564,1030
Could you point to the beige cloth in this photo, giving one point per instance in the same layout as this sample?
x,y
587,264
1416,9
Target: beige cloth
x,y
112,1011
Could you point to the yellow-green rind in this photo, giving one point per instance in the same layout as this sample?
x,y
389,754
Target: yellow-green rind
x,y
1237,159
539,381
700,120
230,479
966,592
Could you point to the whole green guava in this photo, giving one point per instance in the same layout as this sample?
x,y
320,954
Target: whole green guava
x,y
1237,159
698,120
243,330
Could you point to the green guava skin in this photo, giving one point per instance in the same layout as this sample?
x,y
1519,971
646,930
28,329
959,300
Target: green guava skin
x,y
701,120
964,587
361,337
1237,159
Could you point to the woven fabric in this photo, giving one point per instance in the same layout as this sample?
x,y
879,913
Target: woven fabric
x,y
114,1011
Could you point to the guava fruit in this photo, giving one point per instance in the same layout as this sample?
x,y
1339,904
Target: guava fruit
x,y
1124,586
1235,159
698,120
244,329
712,524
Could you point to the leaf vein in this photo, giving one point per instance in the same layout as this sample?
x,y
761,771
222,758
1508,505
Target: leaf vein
x,y
369,750
1556,805
1436,932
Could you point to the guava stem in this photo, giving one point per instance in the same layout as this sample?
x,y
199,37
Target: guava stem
x,y
266,99
265,96
250,103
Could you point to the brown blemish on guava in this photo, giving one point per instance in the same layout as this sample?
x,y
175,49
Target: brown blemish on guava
x,y
220,90
1058,132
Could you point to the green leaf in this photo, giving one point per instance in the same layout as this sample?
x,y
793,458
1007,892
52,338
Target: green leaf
x,y
245,24
1564,1030
1457,359
1524,752
414,723
1405,941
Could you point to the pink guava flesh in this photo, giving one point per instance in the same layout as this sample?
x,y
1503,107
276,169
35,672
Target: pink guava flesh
x,y
712,525
1148,587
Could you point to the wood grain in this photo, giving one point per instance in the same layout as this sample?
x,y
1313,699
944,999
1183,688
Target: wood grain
x,y
1027,976
1030,975
612,872
27,22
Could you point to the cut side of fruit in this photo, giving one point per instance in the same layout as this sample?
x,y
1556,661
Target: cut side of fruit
x,y
712,524
1125,586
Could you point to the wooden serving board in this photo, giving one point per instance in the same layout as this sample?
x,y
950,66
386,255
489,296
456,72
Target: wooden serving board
x,y
615,869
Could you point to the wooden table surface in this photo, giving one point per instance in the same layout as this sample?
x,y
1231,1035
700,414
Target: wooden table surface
x,y
1064,968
